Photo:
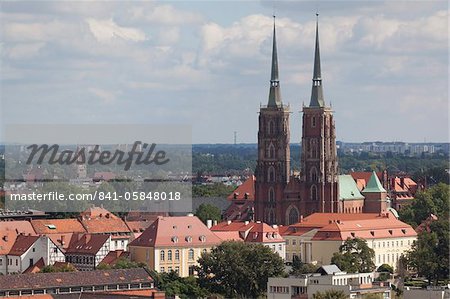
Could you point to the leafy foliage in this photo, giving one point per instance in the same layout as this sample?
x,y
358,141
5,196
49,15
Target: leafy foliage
x,y
214,190
208,212
299,268
330,294
238,269
434,200
64,268
354,256
122,263
174,285
429,255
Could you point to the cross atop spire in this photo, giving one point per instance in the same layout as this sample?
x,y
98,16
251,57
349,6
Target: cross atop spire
x,y
274,93
317,91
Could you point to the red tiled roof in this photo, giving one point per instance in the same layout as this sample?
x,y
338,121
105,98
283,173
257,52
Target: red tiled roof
x,y
97,212
61,240
113,256
57,226
246,191
22,244
18,226
365,175
384,227
263,233
144,216
73,279
86,243
7,239
138,226
228,236
104,176
176,231
37,267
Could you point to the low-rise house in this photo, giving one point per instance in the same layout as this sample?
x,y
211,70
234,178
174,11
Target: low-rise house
x,y
29,250
173,244
329,277
113,257
60,231
97,220
7,239
251,232
86,251
100,282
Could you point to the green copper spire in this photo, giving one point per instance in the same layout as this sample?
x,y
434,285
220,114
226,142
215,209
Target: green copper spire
x,y
317,91
374,185
274,93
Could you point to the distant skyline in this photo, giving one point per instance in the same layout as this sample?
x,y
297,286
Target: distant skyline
x,y
207,64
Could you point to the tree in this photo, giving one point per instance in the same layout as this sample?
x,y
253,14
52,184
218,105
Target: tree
x,y
435,201
429,255
385,271
238,269
174,285
330,294
354,256
299,268
63,268
208,212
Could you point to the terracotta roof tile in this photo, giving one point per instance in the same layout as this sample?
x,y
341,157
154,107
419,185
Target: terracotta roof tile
x,y
37,267
22,244
263,233
86,243
113,256
176,231
57,226
105,225
67,279
138,226
18,226
7,239
246,191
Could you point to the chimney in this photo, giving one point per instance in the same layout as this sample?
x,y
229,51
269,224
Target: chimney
x,y
246,222
190,215
215,222
88,238
301,218
402,182
228,222
209,223
63,239
275,226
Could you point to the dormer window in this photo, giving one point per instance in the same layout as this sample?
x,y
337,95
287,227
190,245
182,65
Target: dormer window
x,y
390,231
404,231
353,234
175,239
188,239
202,238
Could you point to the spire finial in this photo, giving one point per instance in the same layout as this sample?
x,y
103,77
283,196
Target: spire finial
x,y
317,91
274,93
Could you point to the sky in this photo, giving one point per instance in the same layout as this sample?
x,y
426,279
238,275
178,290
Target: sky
x,y
206,64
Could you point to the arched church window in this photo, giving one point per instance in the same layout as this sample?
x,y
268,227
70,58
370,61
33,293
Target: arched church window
x,y
313,192
271,127
271,219
271,174
313,122
271,152
271,195
313,174
293,216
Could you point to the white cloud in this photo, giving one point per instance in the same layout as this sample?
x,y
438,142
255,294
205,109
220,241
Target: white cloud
x,y
107,30
163,14
106,96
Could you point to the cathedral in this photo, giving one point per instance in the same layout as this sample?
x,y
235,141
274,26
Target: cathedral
x,y
275,195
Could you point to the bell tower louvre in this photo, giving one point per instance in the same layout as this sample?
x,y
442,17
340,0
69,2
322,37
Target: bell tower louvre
x,y
273,164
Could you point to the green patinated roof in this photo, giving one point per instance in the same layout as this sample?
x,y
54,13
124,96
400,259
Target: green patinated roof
x,y
348,190
374,185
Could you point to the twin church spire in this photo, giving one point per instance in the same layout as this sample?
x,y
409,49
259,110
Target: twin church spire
x,y
316,92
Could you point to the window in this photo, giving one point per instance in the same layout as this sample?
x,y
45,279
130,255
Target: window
x,y
162,255
177,255
293,215
280,247
271,174
191,254
271,195
169,255
271,127
313,175
55,250
313,192
17,262
204,251
177,269
34,249
161,269
191,270
313,121
271,152
169,269
1,262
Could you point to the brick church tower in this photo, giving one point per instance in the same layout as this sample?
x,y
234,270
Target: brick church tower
x,y
273,165
319,166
